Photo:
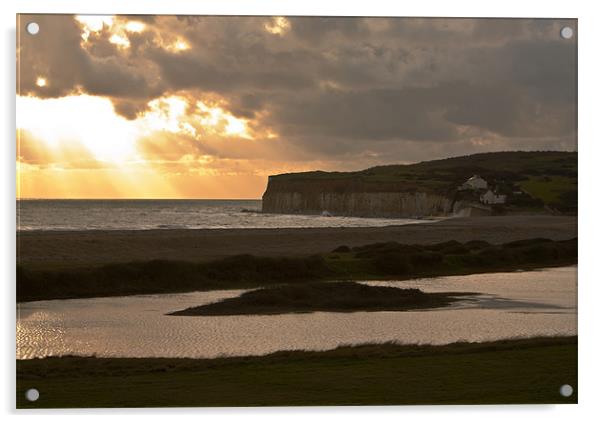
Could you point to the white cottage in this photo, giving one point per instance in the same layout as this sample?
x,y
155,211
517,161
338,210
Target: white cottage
x,y
491,197
474,183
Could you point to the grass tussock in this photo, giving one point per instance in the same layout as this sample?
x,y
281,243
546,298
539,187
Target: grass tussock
x,y
317,296
391,259
164,276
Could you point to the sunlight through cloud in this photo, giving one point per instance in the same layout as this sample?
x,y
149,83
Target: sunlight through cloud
x,y
93,23
135,26
111,138
278,26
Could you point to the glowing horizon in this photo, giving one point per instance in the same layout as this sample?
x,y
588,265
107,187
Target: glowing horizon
x,y
114,154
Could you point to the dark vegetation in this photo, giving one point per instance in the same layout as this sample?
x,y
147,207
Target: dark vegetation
x,y
391,259
502,372
319,296
373,261
545,178
163,276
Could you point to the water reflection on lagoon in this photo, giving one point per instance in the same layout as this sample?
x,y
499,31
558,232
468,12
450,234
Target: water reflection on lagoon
x,y
516,304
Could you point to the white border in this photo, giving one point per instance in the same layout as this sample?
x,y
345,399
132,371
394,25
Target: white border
x,y
590,204
458,8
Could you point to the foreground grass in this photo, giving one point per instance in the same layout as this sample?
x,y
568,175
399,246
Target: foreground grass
x,y
342,297
502,372
374,261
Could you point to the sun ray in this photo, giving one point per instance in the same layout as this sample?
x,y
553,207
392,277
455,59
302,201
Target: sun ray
x,y
113,152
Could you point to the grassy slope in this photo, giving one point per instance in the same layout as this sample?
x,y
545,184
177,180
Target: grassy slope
x,y
550,189
537,172
374,261
520,371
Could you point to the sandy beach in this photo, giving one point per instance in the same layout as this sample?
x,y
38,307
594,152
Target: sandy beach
x,y
42,249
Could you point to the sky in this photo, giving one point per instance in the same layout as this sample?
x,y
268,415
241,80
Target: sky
x,y
209,107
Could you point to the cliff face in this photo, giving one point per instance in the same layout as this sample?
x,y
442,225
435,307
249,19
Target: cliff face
x,y
428,188
318,197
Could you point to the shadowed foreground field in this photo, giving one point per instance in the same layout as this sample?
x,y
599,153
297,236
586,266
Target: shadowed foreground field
x,y
506,372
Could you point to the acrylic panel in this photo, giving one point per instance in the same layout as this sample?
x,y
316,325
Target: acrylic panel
x,y
295,211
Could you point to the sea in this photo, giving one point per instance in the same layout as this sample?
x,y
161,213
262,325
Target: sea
x,y
80,215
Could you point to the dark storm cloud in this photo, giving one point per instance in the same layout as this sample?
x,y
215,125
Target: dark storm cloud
x,y
334,86
56,54
379,114
317,29
188,72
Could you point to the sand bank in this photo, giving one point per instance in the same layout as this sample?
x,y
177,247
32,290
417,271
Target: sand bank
x,y
41,249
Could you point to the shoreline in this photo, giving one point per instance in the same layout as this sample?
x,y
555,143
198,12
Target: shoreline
x,y
533,268
371,348
368,262
68,249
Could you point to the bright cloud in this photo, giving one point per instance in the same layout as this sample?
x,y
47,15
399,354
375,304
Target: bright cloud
x,y
278,26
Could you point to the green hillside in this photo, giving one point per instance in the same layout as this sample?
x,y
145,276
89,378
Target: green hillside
x,y
545,178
